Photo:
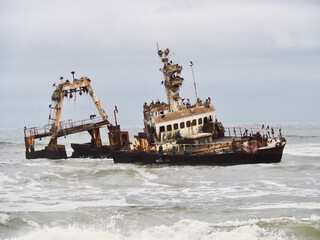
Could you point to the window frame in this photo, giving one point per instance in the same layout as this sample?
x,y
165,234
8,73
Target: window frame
x,y
162,129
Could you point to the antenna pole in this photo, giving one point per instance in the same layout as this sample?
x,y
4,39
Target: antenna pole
x,y
194,81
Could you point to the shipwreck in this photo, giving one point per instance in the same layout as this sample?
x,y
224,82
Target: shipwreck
x,y
118,139
176,132
179,132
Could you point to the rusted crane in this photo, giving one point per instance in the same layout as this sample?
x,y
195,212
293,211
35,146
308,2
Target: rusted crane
x,y
57,129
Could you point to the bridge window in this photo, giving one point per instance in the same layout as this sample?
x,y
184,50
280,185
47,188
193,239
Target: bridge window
x,y
162,129
182,125
200,121
210,118
194,122
188,123
169,128
205,120
175,126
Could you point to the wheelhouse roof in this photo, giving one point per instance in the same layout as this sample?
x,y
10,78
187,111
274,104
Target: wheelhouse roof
x,y
184,113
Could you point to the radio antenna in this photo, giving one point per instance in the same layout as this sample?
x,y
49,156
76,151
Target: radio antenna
x,y
194,81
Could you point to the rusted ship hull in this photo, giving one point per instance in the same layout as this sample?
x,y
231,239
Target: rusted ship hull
x,y
86,150
58,153
270,155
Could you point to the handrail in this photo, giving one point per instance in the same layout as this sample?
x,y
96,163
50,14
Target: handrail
x,y
250,131
48,129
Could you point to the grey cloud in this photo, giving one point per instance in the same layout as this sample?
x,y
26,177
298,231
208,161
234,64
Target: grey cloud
x,y
270,46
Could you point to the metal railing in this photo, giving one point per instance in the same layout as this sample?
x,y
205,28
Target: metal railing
x,y
48,129
250,131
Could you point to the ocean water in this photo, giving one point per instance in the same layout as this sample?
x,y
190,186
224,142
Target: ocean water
x,y
96,199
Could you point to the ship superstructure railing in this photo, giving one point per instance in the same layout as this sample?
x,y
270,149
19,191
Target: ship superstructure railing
x,y
47,130
264,131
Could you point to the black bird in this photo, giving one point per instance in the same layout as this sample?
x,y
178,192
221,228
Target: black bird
x,y
162,82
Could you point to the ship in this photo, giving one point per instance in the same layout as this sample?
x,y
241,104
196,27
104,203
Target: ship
x,y
176,132
179,132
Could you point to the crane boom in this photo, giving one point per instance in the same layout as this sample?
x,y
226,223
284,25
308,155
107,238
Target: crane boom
x,y
117,139
67,88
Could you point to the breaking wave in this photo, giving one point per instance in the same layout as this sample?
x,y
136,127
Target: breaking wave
x,y
184,230
304,149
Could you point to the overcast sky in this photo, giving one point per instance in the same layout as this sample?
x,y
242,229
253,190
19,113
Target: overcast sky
x,y
258,60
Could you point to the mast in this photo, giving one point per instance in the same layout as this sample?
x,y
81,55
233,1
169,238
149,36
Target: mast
x,y
194,81
172,80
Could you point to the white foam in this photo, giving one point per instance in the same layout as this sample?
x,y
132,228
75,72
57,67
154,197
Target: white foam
x,y
182,230
238,223
4,218
266,182
299,205
146,174
58,233
53,205
314,218
152,184
52,174
306,149
98,203
5,179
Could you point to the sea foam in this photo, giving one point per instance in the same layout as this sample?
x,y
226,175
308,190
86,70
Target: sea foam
x,y
182,230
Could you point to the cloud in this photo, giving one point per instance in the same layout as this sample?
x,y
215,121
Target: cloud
x,y
118,24
234,44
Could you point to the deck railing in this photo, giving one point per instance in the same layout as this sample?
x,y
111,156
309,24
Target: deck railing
x,y
250,131
48,129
